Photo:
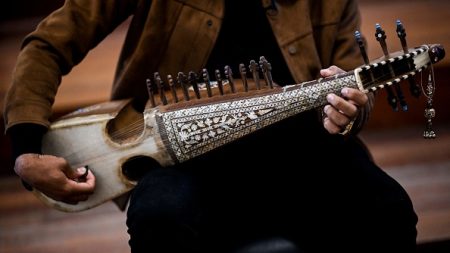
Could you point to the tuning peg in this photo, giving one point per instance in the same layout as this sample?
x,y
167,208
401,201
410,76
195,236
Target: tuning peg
x,y
401,33
243,73
401,98
380,34
219,81
181,79
413,87
266,69
229,75
192,79
254,69
160,85
207,82
362,47
172,86
151,96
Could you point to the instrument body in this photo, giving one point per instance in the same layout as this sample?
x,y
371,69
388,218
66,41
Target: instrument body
x,y
83,138
177,132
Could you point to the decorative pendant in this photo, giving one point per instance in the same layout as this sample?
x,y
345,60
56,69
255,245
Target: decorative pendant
x,y
430,113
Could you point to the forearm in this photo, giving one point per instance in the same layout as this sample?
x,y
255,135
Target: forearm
x,y
60,42
34,84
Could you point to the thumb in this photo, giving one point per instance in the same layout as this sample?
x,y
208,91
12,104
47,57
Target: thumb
x,y
330,71
78,174
326,72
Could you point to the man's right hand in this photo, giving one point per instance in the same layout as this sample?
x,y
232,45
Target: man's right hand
x,y
53,176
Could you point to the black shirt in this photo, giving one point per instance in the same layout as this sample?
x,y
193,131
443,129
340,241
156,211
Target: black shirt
x,y
246,35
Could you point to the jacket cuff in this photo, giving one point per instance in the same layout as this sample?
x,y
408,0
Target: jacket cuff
x,y
26,138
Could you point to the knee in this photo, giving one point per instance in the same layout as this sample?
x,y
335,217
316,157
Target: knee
x,y
163,194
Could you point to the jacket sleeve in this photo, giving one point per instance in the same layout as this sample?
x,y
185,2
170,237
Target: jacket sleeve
x,y
59,42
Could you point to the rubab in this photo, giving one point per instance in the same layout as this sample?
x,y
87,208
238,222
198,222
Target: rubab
x,y
190,114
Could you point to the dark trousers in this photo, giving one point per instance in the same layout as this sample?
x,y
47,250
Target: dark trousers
x,y
251,190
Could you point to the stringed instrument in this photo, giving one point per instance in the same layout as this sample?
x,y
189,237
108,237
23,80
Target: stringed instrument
x,y
109,137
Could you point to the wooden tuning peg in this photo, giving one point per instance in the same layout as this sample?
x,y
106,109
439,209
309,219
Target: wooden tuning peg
x,y
243,73
207,81
267,71
160,86
219,81
401,33
362,48
255,72
380,35
173,88
150,92
229,75
181,79
192,78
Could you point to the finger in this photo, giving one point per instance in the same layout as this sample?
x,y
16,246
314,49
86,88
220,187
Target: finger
x,y
356,96
83,187
343,106
81,174
64,167
336,117
330,71
330,126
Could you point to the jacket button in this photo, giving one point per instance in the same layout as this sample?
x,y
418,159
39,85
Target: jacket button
x,y
209,22
292,49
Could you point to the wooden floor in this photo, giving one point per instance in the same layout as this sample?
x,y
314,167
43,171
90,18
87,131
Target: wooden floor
x,y
27,226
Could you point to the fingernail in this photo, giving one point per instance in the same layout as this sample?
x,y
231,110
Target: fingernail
x,y
330,98
83,171
325,109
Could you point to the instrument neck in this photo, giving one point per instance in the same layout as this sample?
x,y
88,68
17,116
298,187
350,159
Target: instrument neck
x,y
197,129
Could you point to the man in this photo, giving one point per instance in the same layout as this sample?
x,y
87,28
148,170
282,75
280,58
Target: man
x,y
268,188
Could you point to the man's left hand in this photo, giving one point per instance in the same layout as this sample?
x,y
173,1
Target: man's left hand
x,y
341,110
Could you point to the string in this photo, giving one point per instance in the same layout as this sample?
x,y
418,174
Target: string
x,y
133,129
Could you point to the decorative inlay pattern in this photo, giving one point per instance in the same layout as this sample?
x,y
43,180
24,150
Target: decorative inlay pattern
x,y
194,131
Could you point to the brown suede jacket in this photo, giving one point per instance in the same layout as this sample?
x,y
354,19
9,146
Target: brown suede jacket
x,y
169,36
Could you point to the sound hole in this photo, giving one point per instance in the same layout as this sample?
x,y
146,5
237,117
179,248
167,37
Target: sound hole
x,y
127,126
137,166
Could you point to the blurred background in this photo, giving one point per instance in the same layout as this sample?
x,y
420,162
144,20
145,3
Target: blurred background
x,y
394,138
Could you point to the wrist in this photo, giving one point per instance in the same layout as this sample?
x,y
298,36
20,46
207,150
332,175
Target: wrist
x,y
23,167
